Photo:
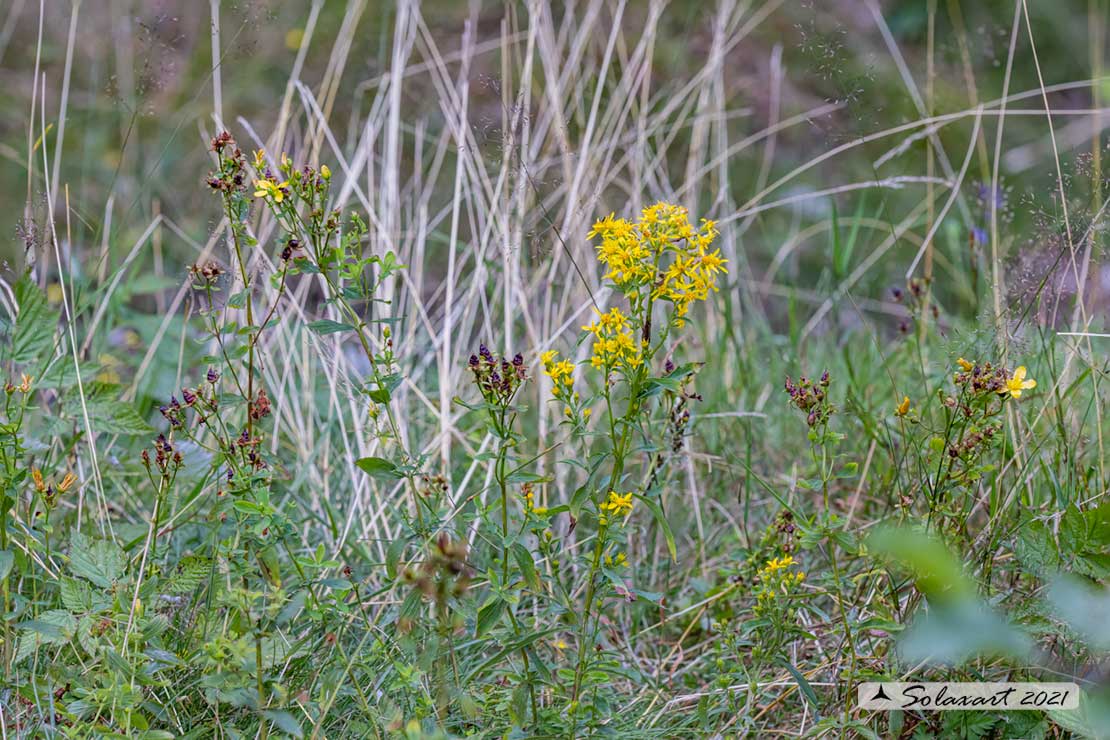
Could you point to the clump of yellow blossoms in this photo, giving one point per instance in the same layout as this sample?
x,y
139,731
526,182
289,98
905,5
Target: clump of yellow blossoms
x,y
614,343
530,501
663,253
984,378
561,373
776,580
618,504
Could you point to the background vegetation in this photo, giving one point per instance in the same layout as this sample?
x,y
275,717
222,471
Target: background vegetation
x,y
898,186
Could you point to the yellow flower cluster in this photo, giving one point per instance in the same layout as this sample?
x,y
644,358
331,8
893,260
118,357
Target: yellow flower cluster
x,y
614,343
776,580
776,564
530,502
561,373
662,250
616,561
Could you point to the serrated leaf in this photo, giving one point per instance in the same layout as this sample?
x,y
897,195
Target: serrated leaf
x,y
34,325
107,413
99,561
192,571
76,595
1035,549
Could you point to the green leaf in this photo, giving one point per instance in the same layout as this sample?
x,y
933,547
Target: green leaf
x,y
527,566
661,520
327,326
489,615
1073,531
939,574
6,561
1035,549
803,684
34,325
107,413
284,721
393,556
99,561
53,627
379,467
76,595
190,573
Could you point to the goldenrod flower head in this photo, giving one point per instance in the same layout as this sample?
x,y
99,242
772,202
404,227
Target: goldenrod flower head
x,y
561,373
904,407
965,365
325,172
25,381
614,342
1017,383
662,250
260,159
36,476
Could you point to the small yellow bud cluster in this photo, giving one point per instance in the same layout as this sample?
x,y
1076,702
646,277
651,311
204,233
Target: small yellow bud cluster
x,y
561,373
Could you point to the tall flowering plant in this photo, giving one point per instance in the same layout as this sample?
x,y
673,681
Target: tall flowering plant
x,y
659,266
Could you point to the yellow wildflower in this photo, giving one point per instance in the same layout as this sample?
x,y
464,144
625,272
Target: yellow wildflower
x,y
1016,384
775,564
25,381
904,407
618,504
325,172
36,476
614,342
270,188
965,365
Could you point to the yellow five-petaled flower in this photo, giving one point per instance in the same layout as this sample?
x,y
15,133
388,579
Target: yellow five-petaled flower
x,y
276,190
1018,383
